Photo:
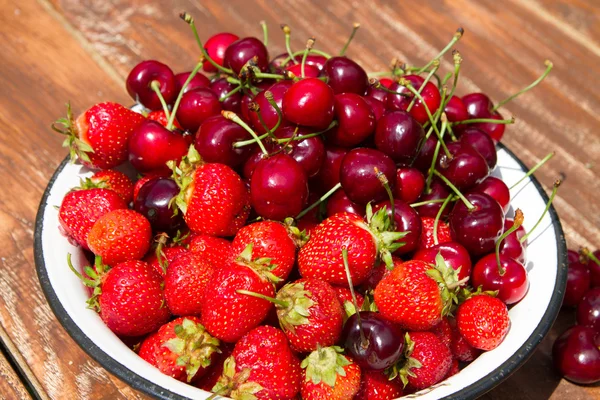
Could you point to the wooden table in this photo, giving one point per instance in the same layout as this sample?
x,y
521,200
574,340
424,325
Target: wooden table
x,y
54,51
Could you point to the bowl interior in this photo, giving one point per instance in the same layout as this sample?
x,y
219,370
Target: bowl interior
x,y
530,319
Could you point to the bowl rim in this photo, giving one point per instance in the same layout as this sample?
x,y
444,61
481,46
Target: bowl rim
x,y
138,382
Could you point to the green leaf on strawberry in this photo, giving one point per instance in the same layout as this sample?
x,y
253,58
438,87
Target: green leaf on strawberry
x,y
325,364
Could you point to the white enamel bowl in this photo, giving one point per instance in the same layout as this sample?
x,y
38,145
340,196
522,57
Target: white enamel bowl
x,y
531,318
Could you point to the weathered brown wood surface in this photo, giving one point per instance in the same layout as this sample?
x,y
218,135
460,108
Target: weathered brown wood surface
x,y
59,50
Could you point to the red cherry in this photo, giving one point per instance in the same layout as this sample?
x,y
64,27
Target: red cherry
x,y
378,94
310,71
140,79
595,270
512,285
437,191
196,106
339,203
198,81
572,256
154,201
345,76
356,120
215,138
410,183
578,283
215,47
359,179
495,188
465,169
377,107
511,246
399,136
406,220
480,106
480,141
455,110
309,102
454,254
329,175
309,153
576,355
588,310
425,155
267,112
243,50
430,94
278,187
220,88
151,145
496,131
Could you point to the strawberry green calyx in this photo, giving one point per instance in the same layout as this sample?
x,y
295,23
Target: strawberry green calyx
x,y
93,281
235,384
87,183
183,175
262,266
411,363
297,308
381,225
78,149
299,237
194,346
466,293
447,280
325,364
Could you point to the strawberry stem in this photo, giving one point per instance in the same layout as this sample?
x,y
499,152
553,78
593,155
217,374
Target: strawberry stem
x,y
321,199
532,170
262,296
85,281
155,85
533,84
363,340
180,95
455,190
457,35
354,29
233,117
437,219
518,221
190,21
265,30
552,196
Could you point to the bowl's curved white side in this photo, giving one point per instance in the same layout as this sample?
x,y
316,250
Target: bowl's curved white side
x,y
542,261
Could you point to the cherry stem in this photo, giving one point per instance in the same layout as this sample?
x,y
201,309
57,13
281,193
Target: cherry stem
x,y
386,185
457,35
271,100
518,221
155,85
363,340
288,33
354,29
436,65
377,85
301,52
309,44
264,75
486,120
437,219
439,143
455,190
262,296
426,202
457,63
233,117
532,170
588,254
308,136
248,142
549,66
319,201
190,21
552,196
230,93
265,30
180,95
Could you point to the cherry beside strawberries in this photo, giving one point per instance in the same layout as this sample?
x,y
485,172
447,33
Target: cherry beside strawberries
x,y
140,79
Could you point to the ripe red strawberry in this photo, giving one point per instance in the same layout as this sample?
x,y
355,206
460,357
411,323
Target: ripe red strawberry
x,y
375,385
448,333
444,332
160,117
454,369
229,315
216,251
98,138
329,375
128,296
185,282
429,360
142,181
213,198
321,257
212,375
416,295
181,349
427,239
120,235
167,255
270,239
113,180
483,321
344,296
262,366
80,209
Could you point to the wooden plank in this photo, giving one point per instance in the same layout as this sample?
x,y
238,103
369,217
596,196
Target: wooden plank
x,y
42,67
11,386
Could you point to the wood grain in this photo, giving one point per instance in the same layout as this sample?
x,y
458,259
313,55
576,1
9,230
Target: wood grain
x,y
88,47
11,386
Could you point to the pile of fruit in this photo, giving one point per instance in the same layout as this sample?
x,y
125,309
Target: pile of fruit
x,y
297,227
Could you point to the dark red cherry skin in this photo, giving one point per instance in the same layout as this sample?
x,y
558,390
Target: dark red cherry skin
x,y
511,245
220,88
252,161
345,76
198,81
151,145
425,155
267,112
595,270
309,153
430,94
511,286
358,177
454,254
377,107
196,106
496,131
140,78
438,191
377,94
482,142
410,183
478,229
310,71
339,203
215,138
480,106
465,169
578,283
588,310
309,102
406,219
329,174
384,340
572,256
399,135
153,201
455,110
215,47
243,50
495,188
356,120
576,355
278,187
315,60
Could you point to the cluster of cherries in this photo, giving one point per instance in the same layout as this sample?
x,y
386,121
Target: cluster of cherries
x,y
576,353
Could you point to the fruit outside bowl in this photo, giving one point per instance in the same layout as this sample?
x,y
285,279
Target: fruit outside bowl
x,y
531,318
